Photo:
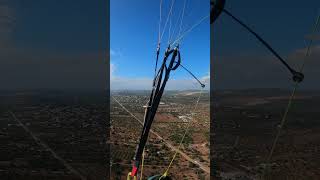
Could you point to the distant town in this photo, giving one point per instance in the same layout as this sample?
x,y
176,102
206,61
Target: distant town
x,y
176,110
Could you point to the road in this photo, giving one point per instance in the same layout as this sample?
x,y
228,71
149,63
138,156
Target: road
x,y
167,143
45,146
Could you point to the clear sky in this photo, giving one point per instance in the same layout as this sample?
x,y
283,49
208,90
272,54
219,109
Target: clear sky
x,y
240,61
53,44
62,44
134,36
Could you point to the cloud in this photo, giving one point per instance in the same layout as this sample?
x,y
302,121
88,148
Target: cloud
x,y
112,52
145,83
121,83
314,37
206,80
112,70
115,53
254,71
33,69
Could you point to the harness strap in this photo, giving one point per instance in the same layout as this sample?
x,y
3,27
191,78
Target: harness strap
x,y
154,101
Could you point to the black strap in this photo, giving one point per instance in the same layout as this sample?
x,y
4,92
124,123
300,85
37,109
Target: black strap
x,y
154,100
157,58
218,7
178,62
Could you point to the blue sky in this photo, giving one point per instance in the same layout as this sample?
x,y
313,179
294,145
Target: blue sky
x,y
134,36
70,27
240,61
60,44
282,23
53,44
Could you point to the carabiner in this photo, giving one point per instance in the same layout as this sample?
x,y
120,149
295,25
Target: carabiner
x,y
129,177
